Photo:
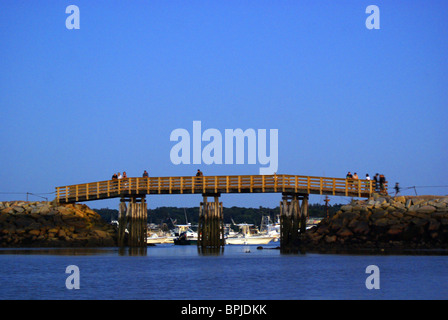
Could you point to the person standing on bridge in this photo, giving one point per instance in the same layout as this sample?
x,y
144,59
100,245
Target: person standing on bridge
x,y
199,177
125,178
382,183
355,178
145,174
349,178
115,181
118,182
376,180
397,188
368,181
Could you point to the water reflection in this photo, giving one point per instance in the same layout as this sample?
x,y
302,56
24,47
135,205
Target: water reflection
x,y
133,251
215,251
58,251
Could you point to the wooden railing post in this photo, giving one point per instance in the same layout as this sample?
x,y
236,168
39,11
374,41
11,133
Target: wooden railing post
x,y
181,184
359,188
308,184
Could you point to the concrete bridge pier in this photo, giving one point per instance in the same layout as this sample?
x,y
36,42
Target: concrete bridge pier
x,y
133,219
293,215
210,225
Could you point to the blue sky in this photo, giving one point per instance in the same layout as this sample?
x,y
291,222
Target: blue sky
x,y
78,105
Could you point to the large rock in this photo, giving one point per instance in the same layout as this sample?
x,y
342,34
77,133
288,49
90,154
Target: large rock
x,y
362,227
381,222
344,232
434,225
396,229
426,209
44,224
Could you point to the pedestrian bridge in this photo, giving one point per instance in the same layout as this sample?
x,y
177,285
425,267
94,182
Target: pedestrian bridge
x,y
278,183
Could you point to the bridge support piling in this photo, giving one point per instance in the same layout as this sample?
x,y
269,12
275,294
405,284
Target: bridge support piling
x,y
135,221
122,223
211,225
293,215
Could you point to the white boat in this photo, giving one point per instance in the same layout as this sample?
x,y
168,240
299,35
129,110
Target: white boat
x,y
250,239
269,228
246,237
185,235
156,239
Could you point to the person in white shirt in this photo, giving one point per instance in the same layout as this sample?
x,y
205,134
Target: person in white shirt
x,y
368,183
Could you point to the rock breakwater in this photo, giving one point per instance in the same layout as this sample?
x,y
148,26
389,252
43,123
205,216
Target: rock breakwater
x,y
384,223
46,224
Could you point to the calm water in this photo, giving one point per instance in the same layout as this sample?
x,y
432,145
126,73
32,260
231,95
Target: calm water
x,y
241,272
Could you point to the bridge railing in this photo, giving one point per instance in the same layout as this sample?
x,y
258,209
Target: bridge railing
x,y
215,184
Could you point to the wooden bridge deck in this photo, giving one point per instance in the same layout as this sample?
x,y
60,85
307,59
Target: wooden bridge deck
x,y
214,184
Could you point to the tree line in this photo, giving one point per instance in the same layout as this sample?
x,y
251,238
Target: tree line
x,y
237,214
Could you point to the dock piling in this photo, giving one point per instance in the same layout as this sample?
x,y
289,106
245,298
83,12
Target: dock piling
x,y
132,218
293,217
210,225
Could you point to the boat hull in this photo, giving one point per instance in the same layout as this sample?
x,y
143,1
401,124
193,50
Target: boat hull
x,y
185,242
249,240
159,240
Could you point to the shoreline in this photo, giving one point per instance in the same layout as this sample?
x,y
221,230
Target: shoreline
x,y
384,224
416,225
48,224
